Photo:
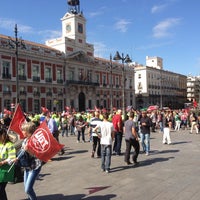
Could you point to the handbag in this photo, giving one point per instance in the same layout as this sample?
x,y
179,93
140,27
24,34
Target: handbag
x,y
7,173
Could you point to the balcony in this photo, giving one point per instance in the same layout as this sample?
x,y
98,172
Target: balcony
x,y
49,94
36,93
60,94
73,82
22,92
6,76
7,93
60,81
48,80
36,78
22,77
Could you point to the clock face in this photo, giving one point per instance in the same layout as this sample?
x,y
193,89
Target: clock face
x,y
68,28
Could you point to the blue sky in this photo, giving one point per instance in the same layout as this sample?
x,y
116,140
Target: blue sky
x,y
165,28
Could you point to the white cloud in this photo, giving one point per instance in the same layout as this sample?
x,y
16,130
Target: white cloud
x,y
50,34
162,29
9,24
122,25
158,8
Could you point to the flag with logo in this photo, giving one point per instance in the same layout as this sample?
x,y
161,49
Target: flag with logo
x,y
17,120
42,143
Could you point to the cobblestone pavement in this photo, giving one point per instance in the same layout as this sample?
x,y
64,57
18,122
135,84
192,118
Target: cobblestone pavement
x,y
169,172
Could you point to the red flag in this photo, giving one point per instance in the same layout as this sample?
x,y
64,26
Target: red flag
x,y
195,103
67,108
17,120
44,109
42,143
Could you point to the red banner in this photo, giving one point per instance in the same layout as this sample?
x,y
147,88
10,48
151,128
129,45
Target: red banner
x,y
42,143
17,120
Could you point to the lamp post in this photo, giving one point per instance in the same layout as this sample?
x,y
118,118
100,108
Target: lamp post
x,y
111,83
16,44
124,59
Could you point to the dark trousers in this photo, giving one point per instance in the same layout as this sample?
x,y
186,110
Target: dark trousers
x,y
118,143
81,133
135,144
96,145
3,195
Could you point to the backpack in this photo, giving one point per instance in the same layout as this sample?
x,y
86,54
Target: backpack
x,y
25,159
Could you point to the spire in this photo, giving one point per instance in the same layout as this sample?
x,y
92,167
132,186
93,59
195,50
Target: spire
x,y
74,6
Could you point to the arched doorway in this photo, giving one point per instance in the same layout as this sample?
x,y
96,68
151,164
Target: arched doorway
x,y
81,101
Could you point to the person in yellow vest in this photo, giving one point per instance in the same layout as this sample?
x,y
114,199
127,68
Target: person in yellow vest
x,y
7,156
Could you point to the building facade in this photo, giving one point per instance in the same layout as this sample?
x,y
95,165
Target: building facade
x,y
155,86
63,72
193,89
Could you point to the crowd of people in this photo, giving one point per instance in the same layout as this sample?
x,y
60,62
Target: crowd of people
x,y
104,130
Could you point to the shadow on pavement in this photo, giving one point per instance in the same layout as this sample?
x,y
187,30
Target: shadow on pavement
x,y
76,197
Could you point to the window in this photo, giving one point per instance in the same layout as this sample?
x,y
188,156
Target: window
x,y
117,81
80,28
48,74
21,69
59,74
36,104
139,76
71,75
49,92
36,71
89,75
49,104
104,79
22,90
97,78
6,88
6,69
81,75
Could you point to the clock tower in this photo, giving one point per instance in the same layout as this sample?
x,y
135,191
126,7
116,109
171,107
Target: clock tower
x,y
73,37
74,23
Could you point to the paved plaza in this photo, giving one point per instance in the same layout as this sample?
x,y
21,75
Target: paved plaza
x,y
169,172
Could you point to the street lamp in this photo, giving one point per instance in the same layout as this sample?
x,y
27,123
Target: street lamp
x,y
15,44
111,83
124,59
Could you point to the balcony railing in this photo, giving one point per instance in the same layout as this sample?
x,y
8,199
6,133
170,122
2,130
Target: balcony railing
x,y
49,94
22,77
60,94
36,78
48,80
73,82
6,76
6,92
35,93
59,80
22,92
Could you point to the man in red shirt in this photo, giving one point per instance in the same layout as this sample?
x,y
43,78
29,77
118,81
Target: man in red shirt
x,y
118,128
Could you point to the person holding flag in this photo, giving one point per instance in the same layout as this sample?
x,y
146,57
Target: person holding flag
x,y
33,168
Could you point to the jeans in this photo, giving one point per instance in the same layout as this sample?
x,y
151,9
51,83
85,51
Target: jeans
x,y
29,180
161,126
117,143
72,130
106,151
145,141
